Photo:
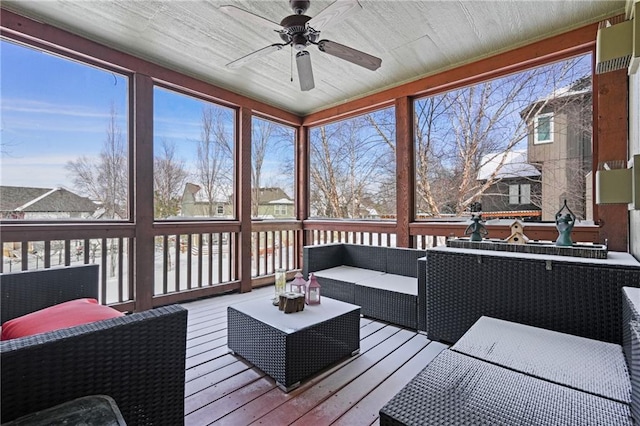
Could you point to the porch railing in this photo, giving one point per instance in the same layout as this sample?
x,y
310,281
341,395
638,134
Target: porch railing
x,y
189,257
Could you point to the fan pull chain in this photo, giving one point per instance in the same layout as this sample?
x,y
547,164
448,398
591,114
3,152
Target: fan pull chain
x,y
291,63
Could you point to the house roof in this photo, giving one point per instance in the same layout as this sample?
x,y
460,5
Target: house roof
x,y
515,165
49,200
414,39
578,89
273,195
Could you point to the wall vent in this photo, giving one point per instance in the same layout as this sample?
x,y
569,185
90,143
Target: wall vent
x,y
614,46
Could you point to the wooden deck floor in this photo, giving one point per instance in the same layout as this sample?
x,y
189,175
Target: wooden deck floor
x,y
224,389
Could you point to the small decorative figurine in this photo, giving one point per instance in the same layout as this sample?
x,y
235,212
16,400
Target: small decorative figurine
x,y
517,234
476,230
564,224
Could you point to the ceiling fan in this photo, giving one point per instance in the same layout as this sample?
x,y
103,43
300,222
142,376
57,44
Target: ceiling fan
x,y
300,31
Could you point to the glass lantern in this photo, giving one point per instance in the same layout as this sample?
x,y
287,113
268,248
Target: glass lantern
x,y
299,285
281,282
313,291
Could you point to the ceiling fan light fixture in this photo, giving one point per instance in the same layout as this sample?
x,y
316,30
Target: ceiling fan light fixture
x,y
305,72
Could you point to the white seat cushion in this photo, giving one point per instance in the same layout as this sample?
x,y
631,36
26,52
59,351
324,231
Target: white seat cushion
x,y
348,274
392,282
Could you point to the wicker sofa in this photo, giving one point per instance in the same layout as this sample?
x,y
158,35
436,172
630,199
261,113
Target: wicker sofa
x,y
383,281
507,373
137,359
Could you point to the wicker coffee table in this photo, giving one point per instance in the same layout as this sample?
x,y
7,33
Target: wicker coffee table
x,y
292,347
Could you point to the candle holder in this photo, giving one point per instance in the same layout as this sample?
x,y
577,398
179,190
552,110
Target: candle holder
x,y
299,285
313,291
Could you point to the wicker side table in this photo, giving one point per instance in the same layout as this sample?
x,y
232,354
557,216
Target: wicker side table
x,y
292,347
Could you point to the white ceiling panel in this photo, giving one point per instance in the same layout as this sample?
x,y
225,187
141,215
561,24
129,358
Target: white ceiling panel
x,y
413,39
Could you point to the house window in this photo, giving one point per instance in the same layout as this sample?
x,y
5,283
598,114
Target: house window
x,y
280,210
520,194
543,128
220,209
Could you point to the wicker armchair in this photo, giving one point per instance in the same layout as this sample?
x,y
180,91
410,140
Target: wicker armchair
x,y
137,359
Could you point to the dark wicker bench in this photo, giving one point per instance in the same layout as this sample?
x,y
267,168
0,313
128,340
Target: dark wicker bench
x,y
505,373
383,281
137,359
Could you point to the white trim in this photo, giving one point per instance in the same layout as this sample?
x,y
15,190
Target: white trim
x,y
535,128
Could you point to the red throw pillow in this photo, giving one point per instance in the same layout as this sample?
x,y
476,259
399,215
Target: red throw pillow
x,y
63,315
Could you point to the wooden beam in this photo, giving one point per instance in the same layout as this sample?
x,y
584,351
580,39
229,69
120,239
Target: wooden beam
x,y
405,171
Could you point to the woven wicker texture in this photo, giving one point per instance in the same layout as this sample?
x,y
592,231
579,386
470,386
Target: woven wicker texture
x,y
387,305
630,312
584,364
367,257
29,291
634,367
138,360
422,294
403,261
324,257
575,298
384,304
335,289
456,389
291,357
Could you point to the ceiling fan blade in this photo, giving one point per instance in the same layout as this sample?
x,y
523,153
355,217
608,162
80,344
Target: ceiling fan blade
x,y
348,54
254,55
334,13
305,73
250,19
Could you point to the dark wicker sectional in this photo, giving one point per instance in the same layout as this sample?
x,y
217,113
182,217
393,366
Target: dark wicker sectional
x,y
387,284
505,373
137,359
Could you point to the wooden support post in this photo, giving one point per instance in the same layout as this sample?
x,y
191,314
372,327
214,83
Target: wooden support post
x,y
141,189
243,197
405,168
610,144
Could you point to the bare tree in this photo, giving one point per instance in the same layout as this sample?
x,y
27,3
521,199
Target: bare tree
x,y
105,179
267,139
457,130
347,166
214,165
169,178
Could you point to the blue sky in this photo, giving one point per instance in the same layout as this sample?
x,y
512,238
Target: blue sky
x,y
54,110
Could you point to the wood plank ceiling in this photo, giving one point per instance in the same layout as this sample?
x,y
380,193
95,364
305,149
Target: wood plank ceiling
x,y
413,38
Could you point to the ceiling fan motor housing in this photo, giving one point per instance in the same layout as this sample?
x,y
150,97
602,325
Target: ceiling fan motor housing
x,y
299,6
295,31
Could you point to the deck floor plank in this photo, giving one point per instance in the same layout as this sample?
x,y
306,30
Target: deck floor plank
x,y
224,389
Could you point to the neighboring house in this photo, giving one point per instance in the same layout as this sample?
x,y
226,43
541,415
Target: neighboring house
x,y
17,202
516,189
559,144
273,203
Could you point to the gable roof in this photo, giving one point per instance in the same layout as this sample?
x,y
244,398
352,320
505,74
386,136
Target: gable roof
x,y
515,165
26,199
273,195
